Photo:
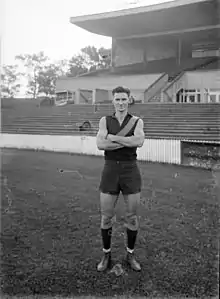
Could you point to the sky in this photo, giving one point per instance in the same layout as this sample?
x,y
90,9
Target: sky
x,y
31,26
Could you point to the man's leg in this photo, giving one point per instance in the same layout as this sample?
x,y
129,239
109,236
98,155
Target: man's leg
x,y
132,202
131,187
107,205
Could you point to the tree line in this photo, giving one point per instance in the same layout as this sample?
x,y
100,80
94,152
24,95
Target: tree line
x,y
41,74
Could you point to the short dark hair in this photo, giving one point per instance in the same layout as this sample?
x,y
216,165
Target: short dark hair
x,y
121,89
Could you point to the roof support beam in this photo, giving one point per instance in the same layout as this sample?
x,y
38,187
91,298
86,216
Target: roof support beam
x,y
172,32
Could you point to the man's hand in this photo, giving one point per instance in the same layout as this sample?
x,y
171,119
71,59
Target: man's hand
x,y
111,137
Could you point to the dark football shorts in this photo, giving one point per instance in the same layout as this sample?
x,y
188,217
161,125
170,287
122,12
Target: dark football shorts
x,y
121,176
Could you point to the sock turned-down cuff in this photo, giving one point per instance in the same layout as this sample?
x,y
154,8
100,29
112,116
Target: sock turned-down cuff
x,y
130,250
106,250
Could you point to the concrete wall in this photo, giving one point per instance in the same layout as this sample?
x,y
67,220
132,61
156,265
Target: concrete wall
x,y
155,150
155,89
107,82
159,49
128,52
102,96
85,97
105,96
133,51
203,79
138,95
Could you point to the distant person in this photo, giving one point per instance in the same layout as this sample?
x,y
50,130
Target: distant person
x,y
119,136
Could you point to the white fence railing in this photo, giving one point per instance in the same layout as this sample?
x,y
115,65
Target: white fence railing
x,y
155,150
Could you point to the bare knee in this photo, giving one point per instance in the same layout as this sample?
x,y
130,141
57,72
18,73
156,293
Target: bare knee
x,y
132,222
132,203
107,202
107,221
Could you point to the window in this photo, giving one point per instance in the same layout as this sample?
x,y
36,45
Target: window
x,y
188,96
191,98
212,98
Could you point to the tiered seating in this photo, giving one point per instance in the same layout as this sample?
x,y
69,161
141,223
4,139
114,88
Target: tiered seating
x,y
168,66
170,121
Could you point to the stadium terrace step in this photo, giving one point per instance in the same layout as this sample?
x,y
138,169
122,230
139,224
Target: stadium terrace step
x,y
173,121
147,113
178,126
187,132
174,129
47,131
157,118
183,121
207,129
141,112
152,135
146,116
147,122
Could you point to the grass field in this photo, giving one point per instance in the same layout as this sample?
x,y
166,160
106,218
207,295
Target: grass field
x,y
50,230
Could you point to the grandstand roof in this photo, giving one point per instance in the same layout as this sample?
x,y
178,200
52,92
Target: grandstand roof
x,y
171,17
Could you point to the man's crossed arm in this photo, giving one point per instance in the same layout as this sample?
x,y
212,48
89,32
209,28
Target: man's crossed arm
x,y
137,140
113,142
101,141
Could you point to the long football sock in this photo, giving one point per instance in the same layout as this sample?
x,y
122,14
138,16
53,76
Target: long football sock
x,y
106,238
131,237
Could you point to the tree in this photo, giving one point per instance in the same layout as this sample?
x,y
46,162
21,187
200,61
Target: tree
x,y
89,59
105,55
9,80
91,56
97,58
47,79
34,64
62,67
48,75
77,66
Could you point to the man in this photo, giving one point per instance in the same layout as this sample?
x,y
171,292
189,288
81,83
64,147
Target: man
x,y
119,136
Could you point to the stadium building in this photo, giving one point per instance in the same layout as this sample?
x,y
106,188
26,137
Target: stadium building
x,y
168,55
167,52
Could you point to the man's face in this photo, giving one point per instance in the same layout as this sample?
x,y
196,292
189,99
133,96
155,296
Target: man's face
x,y
120,101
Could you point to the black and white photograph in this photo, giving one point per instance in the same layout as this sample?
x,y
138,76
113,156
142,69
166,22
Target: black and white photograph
x,y
110,149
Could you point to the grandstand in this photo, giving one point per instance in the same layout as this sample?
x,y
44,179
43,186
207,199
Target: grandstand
x,y
167,54
157,44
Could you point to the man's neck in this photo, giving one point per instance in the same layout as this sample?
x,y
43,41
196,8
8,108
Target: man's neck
x,y
121,115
